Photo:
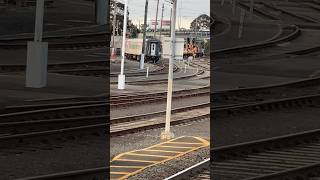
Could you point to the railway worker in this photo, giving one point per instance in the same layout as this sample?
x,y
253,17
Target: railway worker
x,y
194,52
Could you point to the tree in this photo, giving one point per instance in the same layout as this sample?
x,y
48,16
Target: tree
x,y
119,14
201,22
132,29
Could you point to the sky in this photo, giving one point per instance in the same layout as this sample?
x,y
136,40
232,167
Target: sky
x,y
187,10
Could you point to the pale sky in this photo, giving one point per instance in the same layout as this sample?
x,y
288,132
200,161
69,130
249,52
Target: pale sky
x,y
187,10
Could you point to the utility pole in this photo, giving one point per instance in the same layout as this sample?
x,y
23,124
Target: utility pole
x,y
37,53
156,23
118,22
161,20
144,35
166,135
121,76
170,19
114,21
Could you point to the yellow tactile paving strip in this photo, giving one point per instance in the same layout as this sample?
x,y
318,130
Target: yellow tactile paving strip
x,y
130,163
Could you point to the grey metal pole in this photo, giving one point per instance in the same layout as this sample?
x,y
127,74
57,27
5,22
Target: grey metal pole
x,y
170,19
114,21
39,21
144,34
251,9
121,77
167,134
37,53
118,22
161,20
233,7
242,16
156,22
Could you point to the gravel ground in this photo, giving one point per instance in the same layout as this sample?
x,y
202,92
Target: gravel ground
x,y
169,168
151,137
147,138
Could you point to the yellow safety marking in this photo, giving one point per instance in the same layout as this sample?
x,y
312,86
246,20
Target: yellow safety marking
x,y
183,143
121,173
133,167
163,151
182,147
136,160
204,143
150,155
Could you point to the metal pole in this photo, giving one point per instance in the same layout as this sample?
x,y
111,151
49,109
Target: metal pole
x,y
156,23
121,77
170,19
37,53
251,9
144,35
161,20
167,134
39,21
233,7
118,22
147,75
114,21
242,16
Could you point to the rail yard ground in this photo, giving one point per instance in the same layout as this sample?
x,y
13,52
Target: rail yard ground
x,y
191,96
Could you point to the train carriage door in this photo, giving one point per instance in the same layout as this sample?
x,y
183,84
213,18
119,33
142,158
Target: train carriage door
x,y
153,51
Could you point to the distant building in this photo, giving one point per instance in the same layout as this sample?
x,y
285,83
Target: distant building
x,y
165,25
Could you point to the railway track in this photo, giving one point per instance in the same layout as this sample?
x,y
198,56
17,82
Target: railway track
x,y
95,116
127,100
222,98
56,67
162,80
268,92
104,72
263,49
66,42
289,157
285,157
99,173
199,171
56,112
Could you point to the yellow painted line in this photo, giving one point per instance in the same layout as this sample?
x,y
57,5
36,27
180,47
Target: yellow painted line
x,y
120,173
149,155
156,150
182,147
204,143
184,143
133,167
134,160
